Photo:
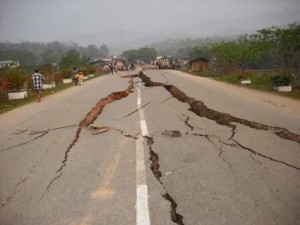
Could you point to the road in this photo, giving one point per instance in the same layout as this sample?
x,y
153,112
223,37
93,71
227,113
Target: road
x,y
186,150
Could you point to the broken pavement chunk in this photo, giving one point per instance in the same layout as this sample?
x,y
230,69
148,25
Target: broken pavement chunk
x,y
172,133
99,130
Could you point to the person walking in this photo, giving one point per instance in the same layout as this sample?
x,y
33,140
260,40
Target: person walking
x,y
111,66
79,77
74,73
37,81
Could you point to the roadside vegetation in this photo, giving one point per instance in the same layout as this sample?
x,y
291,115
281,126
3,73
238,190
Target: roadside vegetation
x,y
19,78
6,105
263,82
31,54
269,58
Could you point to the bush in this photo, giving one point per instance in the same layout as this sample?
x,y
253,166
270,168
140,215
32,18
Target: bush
x,y
62,74
66,73
14,78
87,70
242,74
47,71
90,70
282,79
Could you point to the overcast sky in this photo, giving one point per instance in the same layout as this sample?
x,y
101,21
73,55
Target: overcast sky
x,y
62,20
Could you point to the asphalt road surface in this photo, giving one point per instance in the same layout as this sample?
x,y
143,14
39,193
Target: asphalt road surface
x,y
119,151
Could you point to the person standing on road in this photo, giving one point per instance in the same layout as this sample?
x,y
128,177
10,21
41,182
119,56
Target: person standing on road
x,y
37,80
79,76
111,66
74,73
116,67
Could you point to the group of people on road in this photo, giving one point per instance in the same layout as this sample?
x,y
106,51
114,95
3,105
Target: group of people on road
x,y
113,67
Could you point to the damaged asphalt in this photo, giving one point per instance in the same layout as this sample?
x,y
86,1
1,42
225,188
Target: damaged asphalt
x,y
201,168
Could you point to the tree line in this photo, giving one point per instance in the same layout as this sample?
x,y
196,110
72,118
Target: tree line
x,y
34,53
145,54
270,48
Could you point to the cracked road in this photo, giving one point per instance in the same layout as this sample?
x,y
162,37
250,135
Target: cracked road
x,y
161,148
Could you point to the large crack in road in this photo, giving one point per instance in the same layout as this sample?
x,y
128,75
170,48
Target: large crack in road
x,y
196,106
89,119
225,119
154,158
199,108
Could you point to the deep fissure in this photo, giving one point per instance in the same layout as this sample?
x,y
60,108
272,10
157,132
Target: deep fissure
x,y
89,119
199,108
154,158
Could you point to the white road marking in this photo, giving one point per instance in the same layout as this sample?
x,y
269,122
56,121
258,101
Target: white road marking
x,y
142,216
142,209
144,127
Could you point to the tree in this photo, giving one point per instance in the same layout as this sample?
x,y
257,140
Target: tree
x,y
23,57
146,54
284,44
73,59
51,57
131,55
92,51
13,78
227,56
104,51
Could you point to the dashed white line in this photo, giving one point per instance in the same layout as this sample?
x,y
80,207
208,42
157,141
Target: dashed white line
x,y
144,127
142,209
142,206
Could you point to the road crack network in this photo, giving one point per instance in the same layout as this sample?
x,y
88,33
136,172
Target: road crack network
x,y
89,119
40,134
124,133
154,158
225,119
199,108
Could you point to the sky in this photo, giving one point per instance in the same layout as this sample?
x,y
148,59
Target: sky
x,y
64,20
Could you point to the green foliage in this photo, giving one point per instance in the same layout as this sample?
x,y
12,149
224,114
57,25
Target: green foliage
x,y
261,82
33,53
51,57
230,79
91,51
230,56
283,43
23,57
146,54
63,74
103,51
89,70
282,79
46,70
73,59
270,48
242,74
14,78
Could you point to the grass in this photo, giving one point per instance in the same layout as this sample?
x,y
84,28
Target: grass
x,y
258,82
7,105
